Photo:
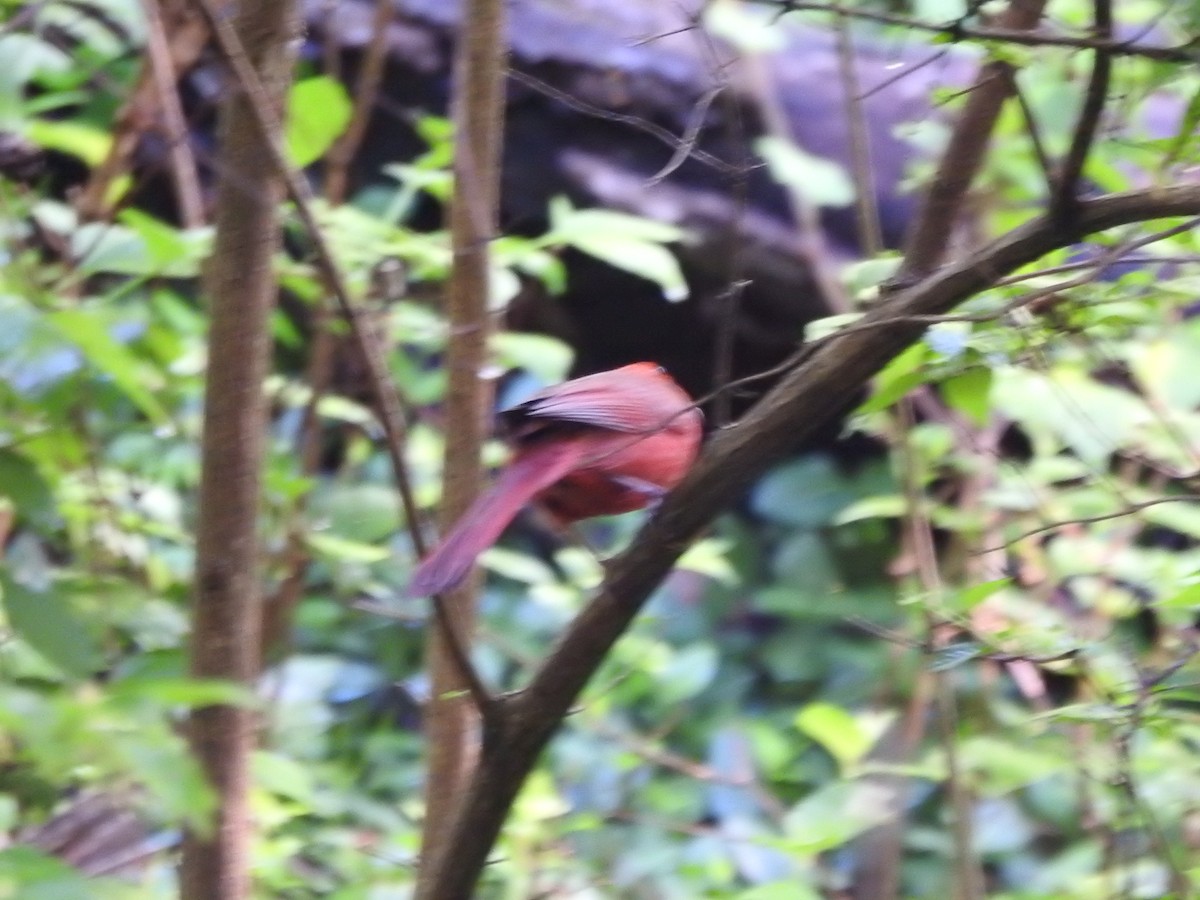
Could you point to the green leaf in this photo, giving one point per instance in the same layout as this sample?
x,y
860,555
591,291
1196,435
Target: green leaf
x,y
653,262
284,776
347,550
809,492
1164,368
688,672
27,56
884,506
968,598
34,875
898,377
319,110
86,143
178,691
364,513
838,812
1185,598
568,224
954,655
820,181
1187,131
48,624
1067,405
847,738
546,357
89,332
710,557
626,242
24,485
171,252
143,246
829,325
970,392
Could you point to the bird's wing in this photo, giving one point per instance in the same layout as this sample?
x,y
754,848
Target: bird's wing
x,y
616,400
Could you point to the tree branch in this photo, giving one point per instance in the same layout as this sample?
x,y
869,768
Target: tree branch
x,y
366,90
1066,188
817,390
929,236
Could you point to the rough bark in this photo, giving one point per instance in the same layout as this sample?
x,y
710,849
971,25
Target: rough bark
x,y
452,718
240,285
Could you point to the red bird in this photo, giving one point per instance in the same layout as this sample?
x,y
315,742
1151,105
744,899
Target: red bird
x,y
598,445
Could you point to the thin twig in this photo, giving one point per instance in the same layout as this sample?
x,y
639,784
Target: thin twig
x,y
929,236
366,90
672,140
389,405
1005,34
325,342
690,137
1066,187
1034,132
902,74
866,211
163,76
968,883
729,299
1129,510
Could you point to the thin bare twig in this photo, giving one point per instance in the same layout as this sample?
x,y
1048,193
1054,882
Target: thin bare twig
x,y
185,38
1034,132
870,235
1131,509
675,142
366,90
929,236
729,299
968,882
163,76
389,405
325,343
690,137
1066,188
1005,33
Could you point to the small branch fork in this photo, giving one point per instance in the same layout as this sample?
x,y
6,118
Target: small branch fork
x,y
390,410
1066,188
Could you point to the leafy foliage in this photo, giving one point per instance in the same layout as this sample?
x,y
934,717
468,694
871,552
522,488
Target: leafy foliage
x,y
987,619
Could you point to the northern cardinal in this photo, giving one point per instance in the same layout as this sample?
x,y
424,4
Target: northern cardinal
x,y
598,445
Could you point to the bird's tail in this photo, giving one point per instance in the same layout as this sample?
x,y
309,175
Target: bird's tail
x,y
534,470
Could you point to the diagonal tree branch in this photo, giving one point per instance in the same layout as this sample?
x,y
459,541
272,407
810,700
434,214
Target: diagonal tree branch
x,y
818,389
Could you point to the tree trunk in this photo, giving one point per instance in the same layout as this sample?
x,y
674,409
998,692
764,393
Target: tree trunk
x,y
451,717
240,282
